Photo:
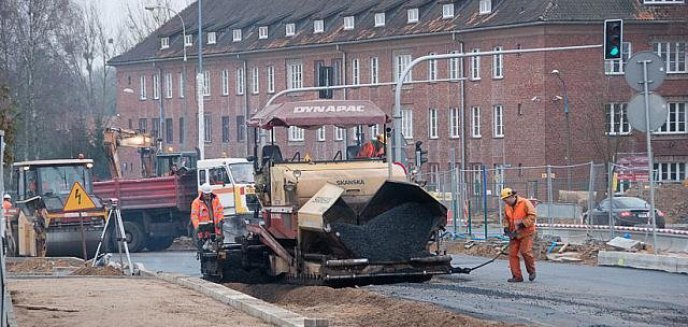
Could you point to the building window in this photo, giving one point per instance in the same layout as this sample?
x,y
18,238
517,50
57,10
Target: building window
x,y
290,29
206,83
374,70
295,133
164,42
182,130
475,65
143,125
432,68
212,38
263,32
374,130
337,72
448,10
616,66
294,74
255,81
181,85
617,121
169,127
400,63
225,82
240,77
673,54
321,134
236,35
498,64
338,134
670,171
168,85
651,2
407,123
207,128
188,40
485,6
156,86
355,72
348,23
412,15
475,122
676,119
241,128
432,124
318,26
498,121
271,79
454,121
454,67
225,129
155,128
379,19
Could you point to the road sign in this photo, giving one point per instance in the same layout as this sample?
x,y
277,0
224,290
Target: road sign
x,y
656,71
78,199
636,111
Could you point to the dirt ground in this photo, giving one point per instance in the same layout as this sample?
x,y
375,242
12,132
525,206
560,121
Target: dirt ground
x,y
348,307
114,302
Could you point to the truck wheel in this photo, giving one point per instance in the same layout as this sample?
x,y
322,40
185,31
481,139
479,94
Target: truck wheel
x,y
159,243
136,238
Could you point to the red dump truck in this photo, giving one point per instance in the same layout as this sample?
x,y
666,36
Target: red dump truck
x,y
155,210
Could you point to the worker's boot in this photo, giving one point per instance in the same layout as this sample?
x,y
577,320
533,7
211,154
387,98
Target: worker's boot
x,y
514,280
531,277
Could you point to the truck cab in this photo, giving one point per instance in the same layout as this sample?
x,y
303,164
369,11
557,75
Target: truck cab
x,y
232,181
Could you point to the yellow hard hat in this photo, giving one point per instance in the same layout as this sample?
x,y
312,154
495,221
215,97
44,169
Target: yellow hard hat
x,y
381,137
507,192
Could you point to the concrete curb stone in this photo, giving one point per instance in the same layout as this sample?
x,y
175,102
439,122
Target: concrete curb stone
x,y
669,263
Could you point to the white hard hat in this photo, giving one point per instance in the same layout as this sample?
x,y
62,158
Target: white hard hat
x,y
206,189
7,196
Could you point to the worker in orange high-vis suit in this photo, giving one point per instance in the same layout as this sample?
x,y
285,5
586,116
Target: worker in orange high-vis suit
x,y
206,213
519,226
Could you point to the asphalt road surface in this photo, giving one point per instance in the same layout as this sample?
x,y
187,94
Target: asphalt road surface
x,y
562,295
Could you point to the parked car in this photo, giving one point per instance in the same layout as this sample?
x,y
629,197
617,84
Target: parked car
x,y
626,211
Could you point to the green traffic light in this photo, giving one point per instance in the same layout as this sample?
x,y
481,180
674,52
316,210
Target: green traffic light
x,y
614,51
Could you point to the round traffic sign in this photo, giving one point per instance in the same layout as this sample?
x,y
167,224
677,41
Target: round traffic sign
x,y
656,72
657,108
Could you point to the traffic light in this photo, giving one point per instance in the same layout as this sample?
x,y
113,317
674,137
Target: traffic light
x,y
421,156
325,79
613,38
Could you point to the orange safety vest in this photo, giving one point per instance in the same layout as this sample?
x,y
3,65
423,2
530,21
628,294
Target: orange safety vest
x,y
522,211
201,214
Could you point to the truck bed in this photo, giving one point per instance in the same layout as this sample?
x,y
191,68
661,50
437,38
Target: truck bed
x,y
150,193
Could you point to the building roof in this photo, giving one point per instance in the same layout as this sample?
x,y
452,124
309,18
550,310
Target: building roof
x,y
223,16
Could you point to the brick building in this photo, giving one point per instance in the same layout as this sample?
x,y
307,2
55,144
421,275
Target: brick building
x,y
507,110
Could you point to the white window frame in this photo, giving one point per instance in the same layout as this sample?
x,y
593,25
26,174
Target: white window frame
x,y
614,112
349,23
168,85
432,68
448,10
374,70
338,134
374,130
412,16
485,7
662,2
206,83
156,86
164,42
208,128
616,66
225,82
290,29
182,85
294,74
498,64
379,19
677,119
433,128
318,26
671,171
498,119
296,134
263,32
321,134
236,35
142,87
675,55
400,63
475,65
475,122
212,37
255,81
271,79
454,67
355,71
188,40
240,78
407,123
454,123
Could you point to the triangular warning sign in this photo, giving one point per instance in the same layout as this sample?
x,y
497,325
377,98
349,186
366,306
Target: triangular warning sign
x,y
78,199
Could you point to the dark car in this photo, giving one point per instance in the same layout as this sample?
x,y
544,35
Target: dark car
x,y
627,211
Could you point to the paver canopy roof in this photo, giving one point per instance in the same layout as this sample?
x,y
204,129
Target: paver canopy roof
x,y
314,114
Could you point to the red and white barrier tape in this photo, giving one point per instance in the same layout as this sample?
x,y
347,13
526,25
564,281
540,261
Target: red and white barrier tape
x,y
601,227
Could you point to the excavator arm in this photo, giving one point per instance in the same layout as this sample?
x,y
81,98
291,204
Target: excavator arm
x,y
115,137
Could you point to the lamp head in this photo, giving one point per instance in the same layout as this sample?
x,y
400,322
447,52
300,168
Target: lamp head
x,y
555,72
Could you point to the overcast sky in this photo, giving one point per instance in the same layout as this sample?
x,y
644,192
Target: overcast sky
x,y
115,11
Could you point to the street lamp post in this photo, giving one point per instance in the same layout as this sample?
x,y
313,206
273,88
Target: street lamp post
x,y
199,86
568,125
